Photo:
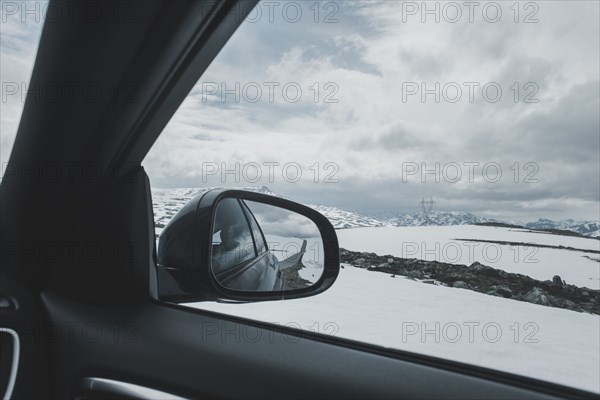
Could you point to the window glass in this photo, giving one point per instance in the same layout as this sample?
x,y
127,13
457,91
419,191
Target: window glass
x,y
256,232
453,145
232,240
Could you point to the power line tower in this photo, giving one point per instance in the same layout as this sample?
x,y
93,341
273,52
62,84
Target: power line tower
x,y
427,206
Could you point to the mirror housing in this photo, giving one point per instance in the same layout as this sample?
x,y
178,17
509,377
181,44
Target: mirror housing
x,y
184,272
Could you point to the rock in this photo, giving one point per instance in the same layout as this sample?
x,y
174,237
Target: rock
x,y
479,267
570,288
481,278
501,291
565,303
537,296
461,285
415,275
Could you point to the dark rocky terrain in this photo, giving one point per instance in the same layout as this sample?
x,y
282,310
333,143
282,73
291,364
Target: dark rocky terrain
x,y
541,246
481,278
292,279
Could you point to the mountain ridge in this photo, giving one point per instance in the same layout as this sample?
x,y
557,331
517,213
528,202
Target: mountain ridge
x,y
167,202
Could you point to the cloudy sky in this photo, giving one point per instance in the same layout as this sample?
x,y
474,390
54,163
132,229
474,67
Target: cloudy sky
x,y
372,106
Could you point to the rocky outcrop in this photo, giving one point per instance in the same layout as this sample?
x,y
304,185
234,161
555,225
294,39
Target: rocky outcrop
x,y
481,278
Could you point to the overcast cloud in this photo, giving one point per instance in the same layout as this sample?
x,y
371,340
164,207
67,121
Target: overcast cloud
x,y
373,142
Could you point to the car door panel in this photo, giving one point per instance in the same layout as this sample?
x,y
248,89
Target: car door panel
x,y
194,353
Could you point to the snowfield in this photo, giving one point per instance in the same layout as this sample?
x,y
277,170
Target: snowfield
x,y
439,243
547,343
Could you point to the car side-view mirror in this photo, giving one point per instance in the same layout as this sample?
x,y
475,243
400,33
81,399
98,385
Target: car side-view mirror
x,y
235,245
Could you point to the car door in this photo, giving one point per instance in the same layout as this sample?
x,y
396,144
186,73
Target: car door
x,y
88,316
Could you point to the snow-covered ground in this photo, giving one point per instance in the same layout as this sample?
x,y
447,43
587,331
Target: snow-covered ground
x,y
553,344
439,243
547,343
542,342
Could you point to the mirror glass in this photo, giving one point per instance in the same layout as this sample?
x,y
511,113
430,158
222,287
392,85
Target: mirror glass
x,y
258,247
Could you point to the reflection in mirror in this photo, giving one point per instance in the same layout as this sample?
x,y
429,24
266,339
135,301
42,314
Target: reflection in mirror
x,y
261,247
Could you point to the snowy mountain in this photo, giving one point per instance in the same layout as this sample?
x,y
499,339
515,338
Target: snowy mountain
x,y
341,219
587,228
437,218
167,202
445,218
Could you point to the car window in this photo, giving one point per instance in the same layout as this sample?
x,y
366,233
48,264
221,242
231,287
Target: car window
x,y
453,146
232,239
259,238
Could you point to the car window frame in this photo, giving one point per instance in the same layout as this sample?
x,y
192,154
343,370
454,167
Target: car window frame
x,y
252,257
255,225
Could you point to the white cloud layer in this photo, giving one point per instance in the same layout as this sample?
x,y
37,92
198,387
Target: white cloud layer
x,y
356,116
